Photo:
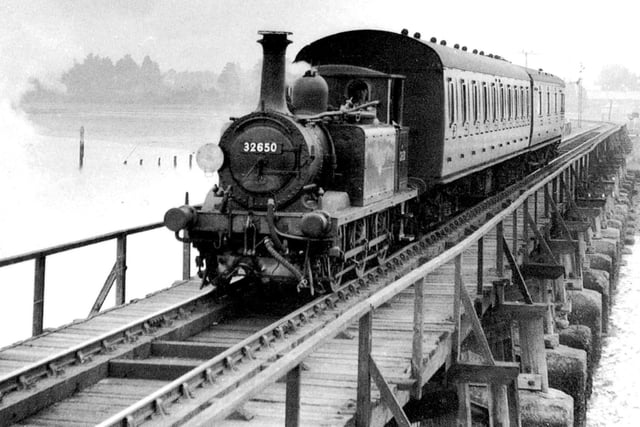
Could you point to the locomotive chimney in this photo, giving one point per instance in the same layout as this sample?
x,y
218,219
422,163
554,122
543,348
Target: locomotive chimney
x,y
272,88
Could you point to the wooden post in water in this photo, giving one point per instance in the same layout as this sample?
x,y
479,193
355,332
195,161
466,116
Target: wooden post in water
x,y
81,155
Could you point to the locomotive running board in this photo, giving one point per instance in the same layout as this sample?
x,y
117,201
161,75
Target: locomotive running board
x,y
356,212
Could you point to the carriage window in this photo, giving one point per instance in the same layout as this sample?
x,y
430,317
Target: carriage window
x,y
548,102
464,102
485,102
555,102
528,102
539,103
476,102
561,102
523,112
509,103
501,102
452,105
494,102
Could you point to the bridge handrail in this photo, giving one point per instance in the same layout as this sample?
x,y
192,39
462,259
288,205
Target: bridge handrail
x,y
52,250
117,274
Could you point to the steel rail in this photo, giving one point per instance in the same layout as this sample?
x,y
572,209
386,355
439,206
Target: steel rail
x,y
205,374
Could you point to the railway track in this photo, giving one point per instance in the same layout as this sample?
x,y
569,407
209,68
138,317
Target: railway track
x,y
171,364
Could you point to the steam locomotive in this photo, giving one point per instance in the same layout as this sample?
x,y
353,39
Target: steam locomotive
x,y
385,135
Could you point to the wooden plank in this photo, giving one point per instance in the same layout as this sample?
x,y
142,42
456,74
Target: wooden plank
x,y
85,375
185,349
21,354
474,372
542,271
517,310
166,369
530,382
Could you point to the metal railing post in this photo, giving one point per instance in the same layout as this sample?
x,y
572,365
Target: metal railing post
x,y
514,229
525,229
499,249
38,296
418,337
121,269
186,249
292,402
480,267
186,261
363,397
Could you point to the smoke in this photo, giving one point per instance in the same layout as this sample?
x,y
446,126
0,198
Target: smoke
x,y
33,45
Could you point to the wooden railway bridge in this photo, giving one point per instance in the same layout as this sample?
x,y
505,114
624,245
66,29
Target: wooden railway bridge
x,y
463,316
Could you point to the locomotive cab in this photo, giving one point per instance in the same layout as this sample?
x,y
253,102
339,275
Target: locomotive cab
x,y
352,86
371,144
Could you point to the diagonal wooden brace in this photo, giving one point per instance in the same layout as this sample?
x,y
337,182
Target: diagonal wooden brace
x,y
517,274
541,240
387,396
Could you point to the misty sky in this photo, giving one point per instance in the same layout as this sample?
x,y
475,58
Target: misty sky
x,y
43,37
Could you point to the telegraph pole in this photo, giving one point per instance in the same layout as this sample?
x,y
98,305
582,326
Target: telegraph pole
x,y
526,54
580,96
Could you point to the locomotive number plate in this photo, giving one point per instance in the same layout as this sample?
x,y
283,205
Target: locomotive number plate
x,y
261,147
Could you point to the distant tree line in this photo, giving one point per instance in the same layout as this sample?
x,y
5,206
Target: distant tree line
x,y
618,78
99,80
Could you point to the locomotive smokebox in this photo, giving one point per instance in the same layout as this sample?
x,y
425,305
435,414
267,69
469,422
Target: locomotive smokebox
x,y
272,88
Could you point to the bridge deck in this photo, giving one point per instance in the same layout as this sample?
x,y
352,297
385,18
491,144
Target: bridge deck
x,y
328,392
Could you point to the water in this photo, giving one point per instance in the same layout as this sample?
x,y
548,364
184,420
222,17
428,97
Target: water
x,y
47,200
616,382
